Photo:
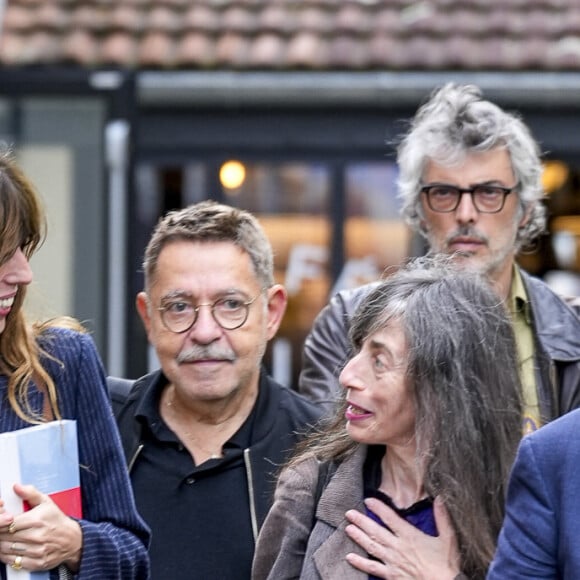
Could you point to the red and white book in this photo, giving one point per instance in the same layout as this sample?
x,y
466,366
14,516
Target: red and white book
x,y
45,456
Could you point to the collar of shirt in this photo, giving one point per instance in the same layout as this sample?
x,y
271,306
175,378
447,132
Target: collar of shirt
x,y
518,302
150,418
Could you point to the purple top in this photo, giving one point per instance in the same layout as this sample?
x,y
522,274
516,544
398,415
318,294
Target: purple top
x,y
420,514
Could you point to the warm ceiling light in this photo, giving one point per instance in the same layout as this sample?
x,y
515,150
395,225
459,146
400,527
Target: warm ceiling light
x,y
232,174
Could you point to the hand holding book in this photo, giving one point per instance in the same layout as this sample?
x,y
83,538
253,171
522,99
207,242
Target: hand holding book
x,y
40,489
33,538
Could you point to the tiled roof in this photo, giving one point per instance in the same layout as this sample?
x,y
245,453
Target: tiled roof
x,y
294,35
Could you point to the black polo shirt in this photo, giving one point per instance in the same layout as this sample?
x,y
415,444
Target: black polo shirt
x,y
199,515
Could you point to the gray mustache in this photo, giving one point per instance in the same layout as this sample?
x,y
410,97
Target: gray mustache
x,y
467,231
196,353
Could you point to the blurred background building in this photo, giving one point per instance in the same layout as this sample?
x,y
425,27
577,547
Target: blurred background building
x,y
123,109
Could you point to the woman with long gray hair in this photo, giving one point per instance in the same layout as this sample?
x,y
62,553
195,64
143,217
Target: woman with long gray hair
x,y
409,479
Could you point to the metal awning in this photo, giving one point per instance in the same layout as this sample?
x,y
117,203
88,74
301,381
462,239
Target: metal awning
x,y
323,89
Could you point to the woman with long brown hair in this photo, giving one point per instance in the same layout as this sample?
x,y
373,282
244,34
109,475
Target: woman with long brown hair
x,y
52,371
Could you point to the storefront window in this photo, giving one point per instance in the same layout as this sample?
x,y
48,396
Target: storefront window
x,y
375,236
559,262
292,202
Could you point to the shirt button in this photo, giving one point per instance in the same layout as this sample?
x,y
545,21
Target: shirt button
x,y
190,480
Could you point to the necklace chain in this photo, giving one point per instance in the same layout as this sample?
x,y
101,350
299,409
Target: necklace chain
x,y
190,436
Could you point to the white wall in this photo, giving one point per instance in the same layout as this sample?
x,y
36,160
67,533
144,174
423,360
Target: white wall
x,y
49,167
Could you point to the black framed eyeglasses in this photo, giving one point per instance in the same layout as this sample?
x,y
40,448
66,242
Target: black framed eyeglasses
x,y
445,198
229,312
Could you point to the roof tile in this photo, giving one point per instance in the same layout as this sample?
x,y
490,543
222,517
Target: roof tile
x,y
18,18
196,50
52,15
237,19
535,53
199,17
498,20
307,50
89,18
387,20
314,20
565,52
162,18
570,24
399,57
420,48
119,48
277,19
267,52
80,47
380,48
352,19
126,17
157,49
346,53
39,48
459,50
466,22
232,50
12,46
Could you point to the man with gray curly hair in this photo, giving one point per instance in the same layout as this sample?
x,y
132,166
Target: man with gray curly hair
x,y
470,183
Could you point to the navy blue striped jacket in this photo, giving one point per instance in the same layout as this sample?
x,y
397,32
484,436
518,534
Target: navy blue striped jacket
x,y
115,538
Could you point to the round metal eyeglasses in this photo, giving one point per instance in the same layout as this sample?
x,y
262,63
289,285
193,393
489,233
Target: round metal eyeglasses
x,y
229,312
444,198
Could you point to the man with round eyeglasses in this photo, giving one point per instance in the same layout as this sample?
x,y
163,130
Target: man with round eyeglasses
x,y
470,184
205,435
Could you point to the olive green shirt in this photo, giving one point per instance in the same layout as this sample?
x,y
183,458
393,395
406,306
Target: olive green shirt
x,y
519,307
